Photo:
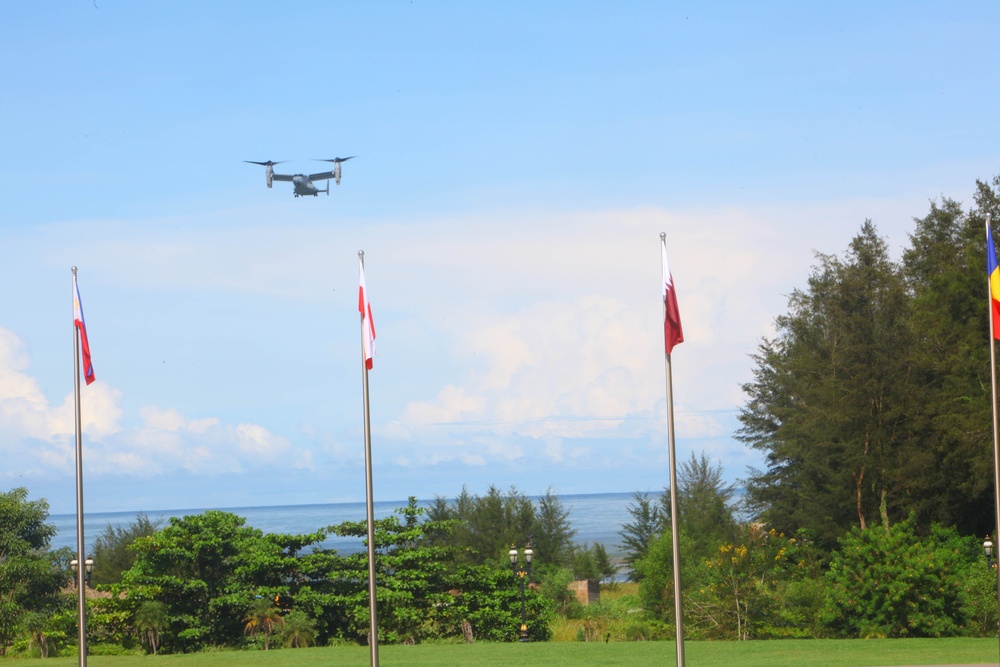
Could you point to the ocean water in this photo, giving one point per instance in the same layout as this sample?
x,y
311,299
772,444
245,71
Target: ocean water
x,y
596,517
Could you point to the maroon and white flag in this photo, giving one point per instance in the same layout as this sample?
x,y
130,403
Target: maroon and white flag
x,y
672,331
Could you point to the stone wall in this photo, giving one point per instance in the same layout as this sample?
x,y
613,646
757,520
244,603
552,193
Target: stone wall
x,y
586,591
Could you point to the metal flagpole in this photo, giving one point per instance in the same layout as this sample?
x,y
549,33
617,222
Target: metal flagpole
x,y
678,603
996,431
369,493
81,570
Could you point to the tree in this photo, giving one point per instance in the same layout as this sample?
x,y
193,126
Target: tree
x,y
552,536
737,598
706,508
207,569
411,576
486,526
299,630
262,620
655,574
606,568
29,577
949,474
488,598
37,627
705,503
555,582
637,535
830,398
591,562
425,586
112,553
150,620
442,514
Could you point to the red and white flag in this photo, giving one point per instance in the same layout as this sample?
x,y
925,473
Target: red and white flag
x,y
367,325
81,325
672,332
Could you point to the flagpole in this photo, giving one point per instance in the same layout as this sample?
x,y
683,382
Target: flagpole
x,y
678,604
81,569
369,493
996,429
674,536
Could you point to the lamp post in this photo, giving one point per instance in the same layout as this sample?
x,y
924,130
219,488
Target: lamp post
x,y
988,550
88,569
521,572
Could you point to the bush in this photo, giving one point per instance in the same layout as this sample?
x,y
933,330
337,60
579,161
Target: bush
x,y
981,595
112,649
642,631
892,583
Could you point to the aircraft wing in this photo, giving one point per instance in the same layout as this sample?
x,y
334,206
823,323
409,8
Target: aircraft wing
x,y
283,177
322,176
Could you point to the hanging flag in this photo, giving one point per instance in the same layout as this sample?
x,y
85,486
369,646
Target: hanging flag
x,y
367,326
672,332
88,367
993,272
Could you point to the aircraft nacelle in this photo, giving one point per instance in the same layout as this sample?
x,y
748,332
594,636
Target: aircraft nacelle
x,y
270,175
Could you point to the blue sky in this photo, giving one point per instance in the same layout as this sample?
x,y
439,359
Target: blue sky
x,y
516,165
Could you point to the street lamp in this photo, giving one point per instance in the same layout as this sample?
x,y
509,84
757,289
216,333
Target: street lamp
x,y
522,572
88,569
988,550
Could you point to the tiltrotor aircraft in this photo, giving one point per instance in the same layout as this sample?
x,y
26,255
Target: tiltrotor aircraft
x,y
302,183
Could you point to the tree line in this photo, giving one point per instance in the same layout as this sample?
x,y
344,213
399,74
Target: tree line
x,y
872,399
210,580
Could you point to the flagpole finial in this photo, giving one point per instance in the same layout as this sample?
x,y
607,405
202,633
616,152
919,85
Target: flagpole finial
x,y
74,270
361,254
663,236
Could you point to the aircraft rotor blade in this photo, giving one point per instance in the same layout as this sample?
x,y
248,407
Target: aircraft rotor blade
x,y
269,163
336,160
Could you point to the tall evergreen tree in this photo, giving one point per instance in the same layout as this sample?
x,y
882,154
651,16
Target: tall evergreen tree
x,y
486,526
830,399
707,514
638,534
705,503
552,535
112,553
948,474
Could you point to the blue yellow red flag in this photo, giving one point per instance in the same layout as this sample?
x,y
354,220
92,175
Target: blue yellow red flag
x,y
993,271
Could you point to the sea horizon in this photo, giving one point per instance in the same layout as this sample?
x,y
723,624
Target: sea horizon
x,y
596,517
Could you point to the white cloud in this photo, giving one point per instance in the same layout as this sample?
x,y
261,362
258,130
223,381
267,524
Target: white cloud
x,y
37,437
172,420
26,413
550,368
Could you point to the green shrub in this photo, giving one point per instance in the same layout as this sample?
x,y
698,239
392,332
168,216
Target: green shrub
x,y
894,583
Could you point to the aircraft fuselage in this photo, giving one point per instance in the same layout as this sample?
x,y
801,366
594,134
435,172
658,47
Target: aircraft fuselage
x,y
303,186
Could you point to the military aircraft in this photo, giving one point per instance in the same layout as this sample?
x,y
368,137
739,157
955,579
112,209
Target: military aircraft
x,y
303,185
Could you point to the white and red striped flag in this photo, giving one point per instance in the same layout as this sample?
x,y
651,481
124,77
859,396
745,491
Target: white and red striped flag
x,y
367,325
81,325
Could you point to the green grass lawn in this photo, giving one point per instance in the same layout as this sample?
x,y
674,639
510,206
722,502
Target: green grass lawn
x,y
774,653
